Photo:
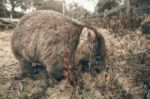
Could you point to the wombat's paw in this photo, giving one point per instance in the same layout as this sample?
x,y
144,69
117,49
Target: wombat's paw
x,y
37,69
20,77
33,77
37,72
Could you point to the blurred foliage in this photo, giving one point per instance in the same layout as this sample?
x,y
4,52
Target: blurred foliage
x,y
105,4
28,4
48,5
74,10
116,15
77,12
119,23
3,10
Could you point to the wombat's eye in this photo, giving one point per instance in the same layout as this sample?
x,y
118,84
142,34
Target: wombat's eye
x,y
89,34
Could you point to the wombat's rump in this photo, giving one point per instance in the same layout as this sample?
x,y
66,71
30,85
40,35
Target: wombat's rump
x,y
42,37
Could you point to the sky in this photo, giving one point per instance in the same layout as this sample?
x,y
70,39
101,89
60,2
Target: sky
x,y
87,4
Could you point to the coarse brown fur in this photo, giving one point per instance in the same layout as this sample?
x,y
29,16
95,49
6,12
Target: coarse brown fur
x,y
43,37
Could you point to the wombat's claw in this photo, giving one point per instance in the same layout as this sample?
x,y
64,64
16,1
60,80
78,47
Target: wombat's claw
x,y
33,77
20,77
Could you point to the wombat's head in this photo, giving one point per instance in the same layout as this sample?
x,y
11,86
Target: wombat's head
x,y
91,48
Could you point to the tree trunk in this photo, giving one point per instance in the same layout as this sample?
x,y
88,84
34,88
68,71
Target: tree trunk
x,y
12,8
128,7
5,8
63,5
114,11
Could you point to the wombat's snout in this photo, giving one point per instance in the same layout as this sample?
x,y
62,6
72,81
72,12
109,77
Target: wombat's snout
x,y
84,63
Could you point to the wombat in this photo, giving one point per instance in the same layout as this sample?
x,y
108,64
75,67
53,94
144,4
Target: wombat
x,y
43,37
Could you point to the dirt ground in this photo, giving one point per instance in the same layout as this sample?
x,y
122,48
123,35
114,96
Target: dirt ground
x,y
7,60
126,76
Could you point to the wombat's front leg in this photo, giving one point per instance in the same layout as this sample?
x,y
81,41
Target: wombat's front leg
x,y
51,80
26,68
47,76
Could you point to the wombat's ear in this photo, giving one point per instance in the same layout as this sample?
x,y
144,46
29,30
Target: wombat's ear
x,y
85,30
84,34
87,34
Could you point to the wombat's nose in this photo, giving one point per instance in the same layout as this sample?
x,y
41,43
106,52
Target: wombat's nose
x,y
84,64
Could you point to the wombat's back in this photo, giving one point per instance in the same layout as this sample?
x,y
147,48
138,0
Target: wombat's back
x,y
44,33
